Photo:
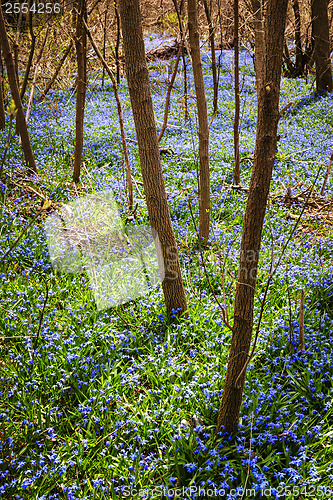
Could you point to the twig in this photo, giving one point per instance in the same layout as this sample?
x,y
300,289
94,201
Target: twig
x,y
120,116
326,175
41,317
285,108
224,313
271,276
19,237
249,463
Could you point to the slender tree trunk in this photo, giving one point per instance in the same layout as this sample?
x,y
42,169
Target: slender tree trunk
x,y
81,56
182,37
39,56
16,46
142,106
116,10
2,105
321,37
236,174
259,42
20,118
57,70
204,209
298,41
168,96
31,55
213,54
265,152
104,40
120,119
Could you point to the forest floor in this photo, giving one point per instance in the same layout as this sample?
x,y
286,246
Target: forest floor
x,y
114,403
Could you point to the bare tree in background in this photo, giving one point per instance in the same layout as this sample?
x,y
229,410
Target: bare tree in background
x,y
13,84
178,10
142,106
211,29
204,208
81,57
321,38
31,54
236,172
259,41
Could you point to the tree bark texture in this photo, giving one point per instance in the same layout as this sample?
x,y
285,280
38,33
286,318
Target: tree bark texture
x,y
142,106
321,38
20,118
204,208
81,56
265,152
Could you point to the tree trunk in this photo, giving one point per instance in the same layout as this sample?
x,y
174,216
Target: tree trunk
x,y
20,118
81,56
259,42
321,38
142,106
265,152
168,96
116,10
236,173
39,56
182,37
16,46
104,39
298,41
204,209
213,55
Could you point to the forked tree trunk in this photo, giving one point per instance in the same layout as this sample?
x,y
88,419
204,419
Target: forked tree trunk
x,y
204,208
259,42
265,152
81,56
142,106
20,118
212,51
321,38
